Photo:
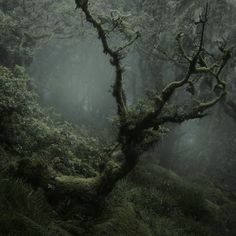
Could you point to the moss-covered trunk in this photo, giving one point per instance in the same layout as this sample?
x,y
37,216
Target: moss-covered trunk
x,y
88,190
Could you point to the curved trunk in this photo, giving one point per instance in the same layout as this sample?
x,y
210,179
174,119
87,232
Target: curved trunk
x,y
89,190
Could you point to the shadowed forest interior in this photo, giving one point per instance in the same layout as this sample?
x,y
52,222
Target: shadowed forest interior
x,y
118,118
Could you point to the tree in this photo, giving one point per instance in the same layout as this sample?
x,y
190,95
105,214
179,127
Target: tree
x,y
27,25
138,126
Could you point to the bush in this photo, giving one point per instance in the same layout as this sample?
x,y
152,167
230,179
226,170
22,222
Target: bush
x,y
27,130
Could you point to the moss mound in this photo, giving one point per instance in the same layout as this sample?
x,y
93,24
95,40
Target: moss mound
x,y
155,201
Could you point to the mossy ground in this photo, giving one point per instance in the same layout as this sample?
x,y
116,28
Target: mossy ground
x,y
155,201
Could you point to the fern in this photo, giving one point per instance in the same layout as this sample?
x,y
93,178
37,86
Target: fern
x,y
24,211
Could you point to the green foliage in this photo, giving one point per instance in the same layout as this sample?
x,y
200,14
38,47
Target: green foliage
x,y
13,48
121,220
25,212
28,130
152,201
228,213
26,25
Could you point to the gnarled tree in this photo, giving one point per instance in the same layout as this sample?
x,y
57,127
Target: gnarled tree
x,y
138,127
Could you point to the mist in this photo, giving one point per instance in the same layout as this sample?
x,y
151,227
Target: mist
x,y
118,118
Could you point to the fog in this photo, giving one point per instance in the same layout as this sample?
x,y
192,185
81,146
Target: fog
x,y
118,117
76,78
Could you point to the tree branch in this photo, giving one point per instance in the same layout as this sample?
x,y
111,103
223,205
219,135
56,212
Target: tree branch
x,y
151,118
118,91
133,132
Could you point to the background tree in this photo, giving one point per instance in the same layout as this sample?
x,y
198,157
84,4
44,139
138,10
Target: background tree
x,y
27,25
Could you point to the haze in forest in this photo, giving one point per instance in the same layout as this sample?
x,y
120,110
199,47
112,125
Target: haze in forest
x,y
118,118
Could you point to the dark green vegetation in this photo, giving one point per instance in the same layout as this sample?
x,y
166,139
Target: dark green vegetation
x,y
151,201
56,179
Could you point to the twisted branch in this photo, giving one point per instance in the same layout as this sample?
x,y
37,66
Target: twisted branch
x,y
132,132
116,57
152,118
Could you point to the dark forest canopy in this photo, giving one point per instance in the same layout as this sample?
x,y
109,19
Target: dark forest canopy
x,y
117,118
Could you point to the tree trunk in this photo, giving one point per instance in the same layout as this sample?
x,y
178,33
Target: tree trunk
x,y
86,190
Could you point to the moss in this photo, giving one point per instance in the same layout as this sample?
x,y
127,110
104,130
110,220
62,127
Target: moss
x,y
167,204
228,217
78,186
121,220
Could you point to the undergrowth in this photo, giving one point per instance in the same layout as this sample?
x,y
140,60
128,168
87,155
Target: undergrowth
x,y
152,201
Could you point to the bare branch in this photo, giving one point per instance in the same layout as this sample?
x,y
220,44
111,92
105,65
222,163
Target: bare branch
x,y
153,117
118,91
179,39
196,112
203,22
129,43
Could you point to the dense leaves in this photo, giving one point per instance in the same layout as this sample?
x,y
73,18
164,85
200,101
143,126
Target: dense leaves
x,y
29,130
